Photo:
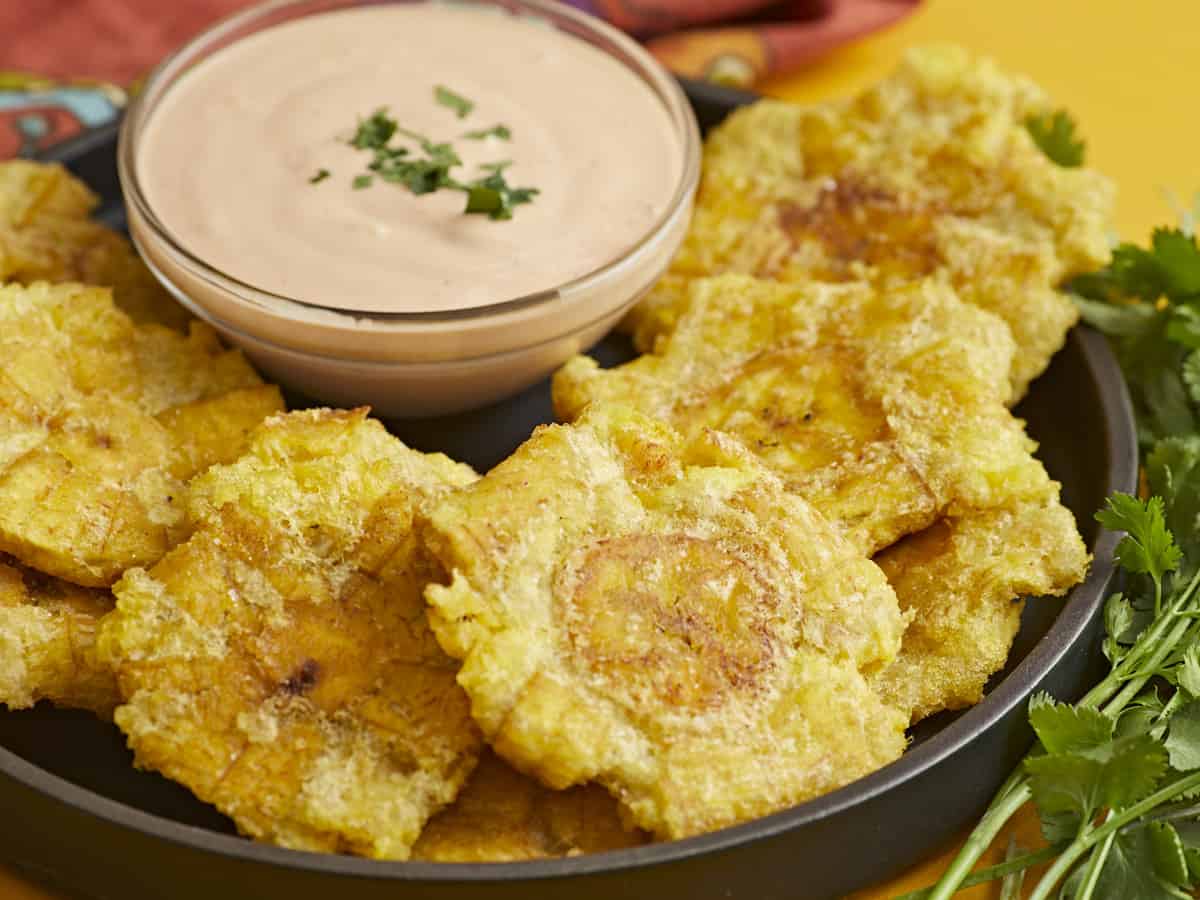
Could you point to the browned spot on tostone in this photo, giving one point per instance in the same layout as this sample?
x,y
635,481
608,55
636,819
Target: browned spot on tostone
x,y
858,222
303,679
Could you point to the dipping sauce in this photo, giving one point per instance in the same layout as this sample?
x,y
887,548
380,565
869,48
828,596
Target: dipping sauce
x,y
227,160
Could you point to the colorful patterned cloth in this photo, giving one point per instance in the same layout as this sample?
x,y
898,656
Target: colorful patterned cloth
x,y
65,64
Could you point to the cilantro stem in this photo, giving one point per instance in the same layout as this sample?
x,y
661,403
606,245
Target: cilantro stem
x,y
1095,867
1077,848
1162,638
1012,882
991,873
1003,808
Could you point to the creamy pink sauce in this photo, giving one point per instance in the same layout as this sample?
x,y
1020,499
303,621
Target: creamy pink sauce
x,y
225,159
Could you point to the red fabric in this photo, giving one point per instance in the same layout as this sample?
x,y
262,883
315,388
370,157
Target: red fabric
x,y
119,40
107,40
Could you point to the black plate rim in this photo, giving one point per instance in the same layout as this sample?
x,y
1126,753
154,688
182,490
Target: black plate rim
x,y
1080,608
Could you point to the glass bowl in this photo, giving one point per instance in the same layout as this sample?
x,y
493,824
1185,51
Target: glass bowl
x,y
408,364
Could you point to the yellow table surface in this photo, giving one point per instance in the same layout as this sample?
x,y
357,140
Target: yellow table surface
x,y
1128,74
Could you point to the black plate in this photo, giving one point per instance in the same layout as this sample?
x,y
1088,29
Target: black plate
x,y
79,815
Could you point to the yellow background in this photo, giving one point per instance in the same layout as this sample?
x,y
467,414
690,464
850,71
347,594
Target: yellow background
x,y
1127,71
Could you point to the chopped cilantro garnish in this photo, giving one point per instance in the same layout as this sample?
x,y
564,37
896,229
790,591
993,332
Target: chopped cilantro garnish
x,y
320,176
428,168
494,197
497,131
461,105
1054,133
374,131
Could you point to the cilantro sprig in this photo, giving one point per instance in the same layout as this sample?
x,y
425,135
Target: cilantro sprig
x,y
1147,300
1115,778
411,160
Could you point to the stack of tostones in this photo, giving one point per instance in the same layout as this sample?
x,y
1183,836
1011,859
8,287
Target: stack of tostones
x,y
46,235
279,664
929,173
102,422
652,612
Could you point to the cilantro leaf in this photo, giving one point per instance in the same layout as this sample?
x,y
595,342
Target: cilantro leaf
x,y
1063,728
321,175
1191,375
1184,326
1167,852
1081,784
1142,716
1065,785
1147,547
1183,737
1132,771
461,105
1054,133
1173,473
1193,863
1170,268
361,181
501,132
1178,260
1130,871
1118,621
1188,674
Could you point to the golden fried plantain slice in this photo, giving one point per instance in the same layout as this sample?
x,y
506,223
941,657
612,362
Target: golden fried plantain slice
x,y
882,408
962,580
660,616
504,816
30,190
46,235
930,172
102,422
279,663
48,642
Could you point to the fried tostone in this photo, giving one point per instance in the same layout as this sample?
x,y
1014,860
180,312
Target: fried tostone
x,y
962,581
929,173
660,616
882,408
101,424
46,235
279,663
48,642
504,816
